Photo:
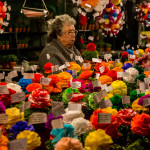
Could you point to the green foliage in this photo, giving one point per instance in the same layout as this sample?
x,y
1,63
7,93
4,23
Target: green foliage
x,y
49,145
108,45
12,58
4,58
6,42
90,54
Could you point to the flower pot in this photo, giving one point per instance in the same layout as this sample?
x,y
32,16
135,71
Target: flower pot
x,y
16,29
85,27
22,45
10,29
23,29
3,47
7,46
108,49
89,27
97,38
28,29
19,45
11,65
4,65
26,45
93,27
20,29
82,27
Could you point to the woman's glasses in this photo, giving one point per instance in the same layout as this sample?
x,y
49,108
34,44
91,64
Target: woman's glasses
x,y
71,33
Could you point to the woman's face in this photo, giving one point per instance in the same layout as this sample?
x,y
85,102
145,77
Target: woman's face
x,y
68,36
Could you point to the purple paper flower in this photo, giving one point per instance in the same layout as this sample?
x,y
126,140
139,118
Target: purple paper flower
x,y
18,127
2,108
140,101
90,88
70,71
126,66
51,117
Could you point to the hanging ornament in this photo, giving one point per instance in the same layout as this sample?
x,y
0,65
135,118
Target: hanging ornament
x,y
143,13
111,20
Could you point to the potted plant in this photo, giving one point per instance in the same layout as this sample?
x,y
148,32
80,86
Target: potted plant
x,y
22,43
10,28
20,28
16,27
93,25
27,28
4,61
108,47
7,44
19,43
26,43
23,28
12,59
3,45
101,46
82,48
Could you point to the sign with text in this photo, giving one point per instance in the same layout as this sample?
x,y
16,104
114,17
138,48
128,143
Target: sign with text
x,y
76,85
58,110
146,102
4,89
3,118
74,107
104,117
105,104
45,81
69,96
125,99
28,75
57,123
18,97
13,74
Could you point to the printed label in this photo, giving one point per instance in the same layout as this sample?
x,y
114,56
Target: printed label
x,y
57,123
3,118
104,117
18,97
4,89
74,107
105,104
125,99
76,85
28,75
45,81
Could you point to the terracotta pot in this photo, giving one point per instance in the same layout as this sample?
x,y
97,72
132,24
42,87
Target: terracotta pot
x,y
108,50
89,27
20,29
93,27
97,38
4,65
7,46
28,29
19,45
10,29
26,45
23,29
3,47
16,29
11,65
22,45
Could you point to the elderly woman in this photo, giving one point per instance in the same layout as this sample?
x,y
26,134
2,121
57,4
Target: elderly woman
x,y
62,34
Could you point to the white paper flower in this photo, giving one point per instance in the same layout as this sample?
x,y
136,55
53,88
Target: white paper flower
x,y
14,87
81,125
70,115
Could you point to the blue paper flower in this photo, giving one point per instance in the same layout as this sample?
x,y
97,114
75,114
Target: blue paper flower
x,y
130,51
18,127
24,83
126,66
67,131
70,71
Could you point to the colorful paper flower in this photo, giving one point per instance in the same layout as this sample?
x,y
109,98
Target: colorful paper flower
x,y
33,86
125,116
140,101
119,65
48,67
112,74
18,127
37,77
77,97
39,98
126,66
71,72
68,143
33,139
98,139
118,69
2,108
14,87
88,55
3,142
91,101
91,47
93,3
124,55
105,79
91,89
83,20
14,115
140,124
74,66
85,75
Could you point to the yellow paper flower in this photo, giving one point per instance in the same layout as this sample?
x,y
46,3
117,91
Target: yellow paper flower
x,y
74,66
116,2
110,110
139,108
118,69
64,79
119,64
33,139
97,139
141,53
105,79
14,115
108,96
119,88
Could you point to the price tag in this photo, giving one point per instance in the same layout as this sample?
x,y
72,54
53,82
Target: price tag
x,y
8,16
56,67
55,104
28,75
3,118
146,102
107,56
86,65
96,99
74,107
74,72
71,56
13,74
104,86
9,8
147,80
21,108
138,91
96,83
102,69
96,15
97,75
58,110
77,57
109,88
86,4
104,118
105,104
57,123
135,62
79,10
4,89
18,97
69,96
17,68
143,86
96,60
102,94
122,74
81,59
2,75
27,105
83,13
37,118
8,79
62,67
125,99
76,85
45,81
131,56
20,144
48,56
91,38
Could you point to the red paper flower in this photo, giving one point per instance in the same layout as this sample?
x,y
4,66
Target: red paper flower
x,y
85,74
83,19
82,40
6,98
33,86
91,47
47,67
54,79
97,68
124,55
124,116
112,74
37,77
140,124
77,97
3,83
40,98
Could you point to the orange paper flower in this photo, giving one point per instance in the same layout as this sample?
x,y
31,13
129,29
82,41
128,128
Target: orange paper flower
x,y
74,66
33,86
3,143
53,89
86,69
118,69
85,75
105,79
93,3
54,79
147,73
140,124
